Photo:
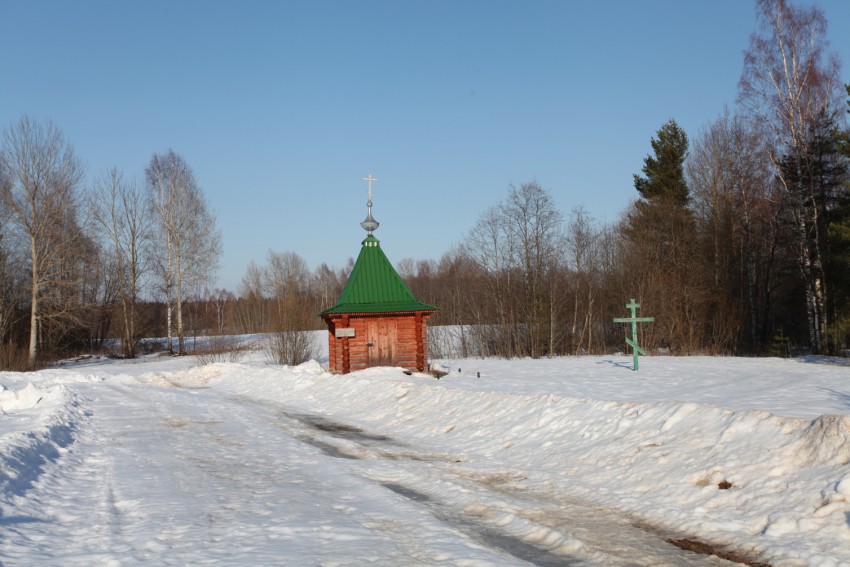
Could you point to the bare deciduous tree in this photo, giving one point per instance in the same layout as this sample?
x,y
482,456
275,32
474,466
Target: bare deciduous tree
x,y
286,282
515,244
328,285
40,195
582,250
119,209
189,242
491,249
252,309
535,224
788,82
9,276
221,301
736,208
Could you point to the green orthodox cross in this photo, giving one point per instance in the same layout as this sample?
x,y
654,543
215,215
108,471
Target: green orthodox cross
x,y
634,321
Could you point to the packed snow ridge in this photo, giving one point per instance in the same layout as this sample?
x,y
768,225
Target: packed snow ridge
x,y
569,461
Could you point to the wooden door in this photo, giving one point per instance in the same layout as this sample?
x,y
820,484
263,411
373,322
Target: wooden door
x,y
382,342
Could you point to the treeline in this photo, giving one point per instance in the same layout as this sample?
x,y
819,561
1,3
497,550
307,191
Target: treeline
x,y
729,246
79,265
738,241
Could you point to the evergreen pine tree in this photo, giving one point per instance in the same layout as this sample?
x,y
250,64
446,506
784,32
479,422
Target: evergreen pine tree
x,y
661,242
661,225
665,172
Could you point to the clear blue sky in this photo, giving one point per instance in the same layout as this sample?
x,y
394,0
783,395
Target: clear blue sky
x,y
282,107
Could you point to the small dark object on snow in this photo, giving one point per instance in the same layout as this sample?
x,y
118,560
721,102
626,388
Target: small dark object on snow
x,y
458,370
724,485
437,372
408,372
478,374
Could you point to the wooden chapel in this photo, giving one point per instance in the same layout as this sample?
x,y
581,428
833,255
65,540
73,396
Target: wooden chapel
x,y
376,321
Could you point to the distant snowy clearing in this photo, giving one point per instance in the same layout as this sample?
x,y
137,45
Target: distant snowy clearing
x,y
570,461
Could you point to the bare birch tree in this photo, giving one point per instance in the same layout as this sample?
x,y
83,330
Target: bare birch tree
x,y
43,175
189,243
787,83
221,301
120,212
581,250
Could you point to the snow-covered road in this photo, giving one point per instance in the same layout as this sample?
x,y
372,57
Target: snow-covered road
x,y
175,473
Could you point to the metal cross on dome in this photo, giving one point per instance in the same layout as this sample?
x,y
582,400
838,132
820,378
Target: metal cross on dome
x,y
370,224
370,179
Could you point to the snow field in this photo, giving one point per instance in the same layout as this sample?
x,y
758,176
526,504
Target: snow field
x,y
127,463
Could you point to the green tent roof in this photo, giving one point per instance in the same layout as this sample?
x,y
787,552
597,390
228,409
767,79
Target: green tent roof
x,y
375,287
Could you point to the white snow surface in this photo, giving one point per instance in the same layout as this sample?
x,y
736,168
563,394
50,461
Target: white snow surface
x,y
567,461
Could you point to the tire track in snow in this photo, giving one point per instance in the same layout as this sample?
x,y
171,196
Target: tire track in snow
x,y
81,471
159,469
540,528
536,528
170,476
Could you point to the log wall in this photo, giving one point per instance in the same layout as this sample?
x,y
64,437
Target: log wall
x,y
408,332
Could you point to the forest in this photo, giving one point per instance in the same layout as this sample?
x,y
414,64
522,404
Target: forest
x,y
737,241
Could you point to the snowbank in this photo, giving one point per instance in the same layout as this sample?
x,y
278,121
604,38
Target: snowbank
x,y
37,425
774,486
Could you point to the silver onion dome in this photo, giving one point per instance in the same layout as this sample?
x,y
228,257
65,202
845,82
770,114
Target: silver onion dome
x,y
370,224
